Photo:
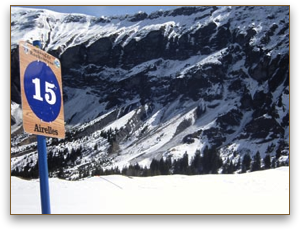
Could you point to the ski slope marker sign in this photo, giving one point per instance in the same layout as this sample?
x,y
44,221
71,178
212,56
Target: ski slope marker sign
x,y
41,92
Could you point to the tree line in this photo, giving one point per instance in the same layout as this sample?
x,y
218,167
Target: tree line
x,y
207,162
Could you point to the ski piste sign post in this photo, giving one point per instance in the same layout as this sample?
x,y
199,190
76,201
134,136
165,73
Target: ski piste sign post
x,y
41,92
42,105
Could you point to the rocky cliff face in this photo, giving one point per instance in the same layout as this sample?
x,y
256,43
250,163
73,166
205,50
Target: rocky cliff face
x,y
144,86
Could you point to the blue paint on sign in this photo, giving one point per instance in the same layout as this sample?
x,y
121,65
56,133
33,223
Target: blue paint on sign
x,y
42,91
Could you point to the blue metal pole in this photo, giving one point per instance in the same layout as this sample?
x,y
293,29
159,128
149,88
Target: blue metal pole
x,y
43,164
43,171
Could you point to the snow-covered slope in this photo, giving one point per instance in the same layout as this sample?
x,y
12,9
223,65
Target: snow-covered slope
x,y
142,87
265,192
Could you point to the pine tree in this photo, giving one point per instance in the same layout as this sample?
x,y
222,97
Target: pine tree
x,y
176,166
231,168
256,162
206,161
246,163
184,163
168,163
197,163
163,167
225,168
146,172
154,167
216,161
267,161
228,167
237,166
211,161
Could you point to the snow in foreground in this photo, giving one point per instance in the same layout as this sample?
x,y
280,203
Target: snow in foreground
x,y
264,192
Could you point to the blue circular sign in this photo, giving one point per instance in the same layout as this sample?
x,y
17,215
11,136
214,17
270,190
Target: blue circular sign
x,y
42,91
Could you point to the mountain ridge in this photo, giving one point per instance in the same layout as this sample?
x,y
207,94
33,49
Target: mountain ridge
x,y
143,87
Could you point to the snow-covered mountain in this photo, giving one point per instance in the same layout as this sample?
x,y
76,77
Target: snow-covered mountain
x,y
156,86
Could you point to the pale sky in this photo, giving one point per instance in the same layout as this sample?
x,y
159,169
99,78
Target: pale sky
x,y
103,10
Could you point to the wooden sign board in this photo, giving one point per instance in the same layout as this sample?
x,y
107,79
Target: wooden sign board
x,y
41,92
